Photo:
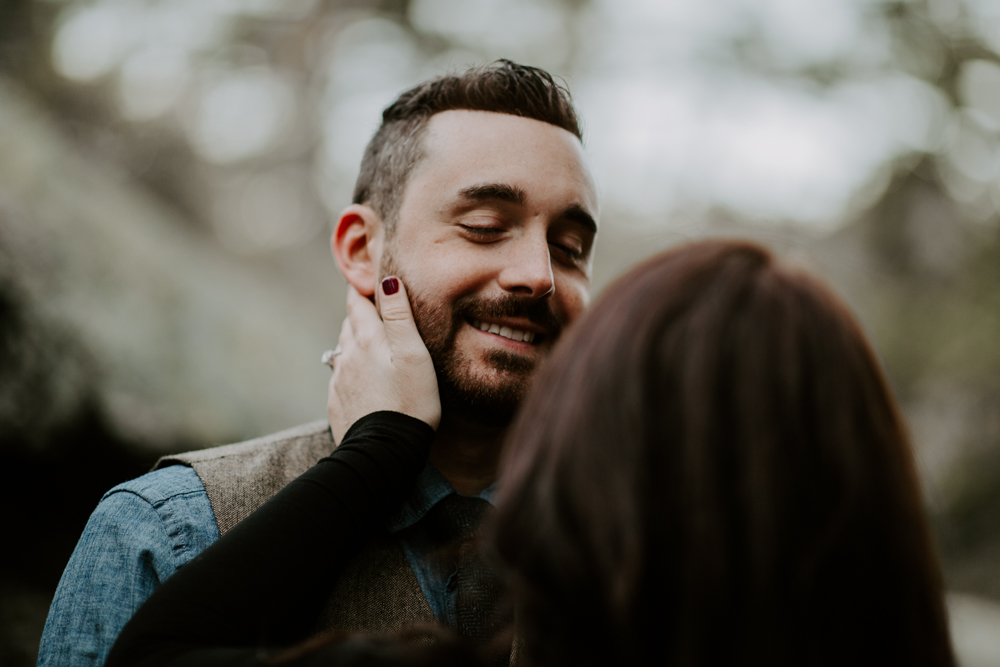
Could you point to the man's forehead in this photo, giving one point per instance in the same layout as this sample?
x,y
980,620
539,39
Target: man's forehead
x,y
473,147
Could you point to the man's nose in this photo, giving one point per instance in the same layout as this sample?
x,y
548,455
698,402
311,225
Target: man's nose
x,y
527,270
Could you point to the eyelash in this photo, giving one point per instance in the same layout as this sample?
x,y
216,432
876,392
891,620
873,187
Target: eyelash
x,y
572,253
488,233
482,232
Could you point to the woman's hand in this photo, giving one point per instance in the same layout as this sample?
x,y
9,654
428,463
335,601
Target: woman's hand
x,y
383,364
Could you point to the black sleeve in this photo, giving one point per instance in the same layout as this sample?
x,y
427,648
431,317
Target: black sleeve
x,y
264,583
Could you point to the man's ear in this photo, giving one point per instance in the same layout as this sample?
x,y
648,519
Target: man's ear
x,y
357,246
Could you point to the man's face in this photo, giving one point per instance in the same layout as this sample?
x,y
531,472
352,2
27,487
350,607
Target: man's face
x,y
493,241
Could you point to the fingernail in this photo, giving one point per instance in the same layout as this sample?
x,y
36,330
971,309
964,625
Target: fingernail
x,y
390,286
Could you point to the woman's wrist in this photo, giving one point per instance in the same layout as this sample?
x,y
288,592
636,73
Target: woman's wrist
x,y
390,422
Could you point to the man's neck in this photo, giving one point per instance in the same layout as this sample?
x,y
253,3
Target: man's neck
x,y
466,453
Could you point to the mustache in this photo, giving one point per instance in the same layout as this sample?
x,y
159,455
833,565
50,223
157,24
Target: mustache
x,y
536,311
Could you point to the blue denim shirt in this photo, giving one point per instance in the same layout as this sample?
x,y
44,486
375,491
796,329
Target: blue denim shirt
x,y
431,488
142,531
139,534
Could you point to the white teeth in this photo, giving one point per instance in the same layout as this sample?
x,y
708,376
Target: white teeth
x,y
506,332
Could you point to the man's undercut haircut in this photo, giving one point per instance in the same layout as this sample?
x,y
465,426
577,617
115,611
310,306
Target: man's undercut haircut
x,y
503,87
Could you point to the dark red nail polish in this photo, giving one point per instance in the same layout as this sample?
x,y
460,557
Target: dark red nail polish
x,y
390,286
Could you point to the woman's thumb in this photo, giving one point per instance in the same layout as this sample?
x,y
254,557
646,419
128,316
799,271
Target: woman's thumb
x,y
394,306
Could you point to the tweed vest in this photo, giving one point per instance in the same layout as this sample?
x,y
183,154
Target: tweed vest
x,y
377,593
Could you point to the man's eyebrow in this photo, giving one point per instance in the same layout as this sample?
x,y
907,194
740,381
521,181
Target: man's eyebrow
x,y
495,192
512,194
579,215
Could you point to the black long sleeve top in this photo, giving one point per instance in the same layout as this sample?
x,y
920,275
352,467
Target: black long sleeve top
x,y
263,584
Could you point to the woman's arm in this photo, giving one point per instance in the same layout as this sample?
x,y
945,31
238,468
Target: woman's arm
x,y
264,583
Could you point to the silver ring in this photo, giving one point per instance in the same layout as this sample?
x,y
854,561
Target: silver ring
x,y
328,356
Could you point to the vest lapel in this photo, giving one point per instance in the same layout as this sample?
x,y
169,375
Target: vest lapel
x,y
377,593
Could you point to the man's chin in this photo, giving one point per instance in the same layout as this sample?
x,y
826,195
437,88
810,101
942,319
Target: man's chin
x,y
491,402
496,414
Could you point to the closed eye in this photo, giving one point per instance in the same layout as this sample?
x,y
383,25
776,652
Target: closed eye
x,y
574,254
482,233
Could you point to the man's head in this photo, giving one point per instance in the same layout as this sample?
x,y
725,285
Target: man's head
x,y
396,148
476,192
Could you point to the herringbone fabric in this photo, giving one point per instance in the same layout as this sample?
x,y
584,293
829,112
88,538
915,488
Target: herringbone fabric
x,y
481,612
240,478
377,592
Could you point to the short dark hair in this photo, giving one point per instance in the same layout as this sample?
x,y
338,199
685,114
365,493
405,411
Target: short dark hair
x,y
503,87
710,470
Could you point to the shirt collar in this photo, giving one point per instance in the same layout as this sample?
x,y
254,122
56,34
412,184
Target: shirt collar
x,y
430,489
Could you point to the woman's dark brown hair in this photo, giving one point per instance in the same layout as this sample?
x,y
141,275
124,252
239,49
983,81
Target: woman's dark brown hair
x,y
712,470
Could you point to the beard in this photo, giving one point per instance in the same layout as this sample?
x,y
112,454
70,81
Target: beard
x,y
487,396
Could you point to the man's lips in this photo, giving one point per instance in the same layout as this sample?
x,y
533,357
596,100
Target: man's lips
x,y
515,331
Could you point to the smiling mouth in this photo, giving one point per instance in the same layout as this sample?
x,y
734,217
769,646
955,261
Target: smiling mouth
x,y
518,335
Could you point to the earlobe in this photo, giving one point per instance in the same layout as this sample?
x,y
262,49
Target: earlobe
x,y
356,243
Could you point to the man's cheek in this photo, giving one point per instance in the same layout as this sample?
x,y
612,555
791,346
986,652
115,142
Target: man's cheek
x,y
573,307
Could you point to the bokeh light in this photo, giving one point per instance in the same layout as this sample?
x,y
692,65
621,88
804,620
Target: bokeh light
x,y
169,170
779,111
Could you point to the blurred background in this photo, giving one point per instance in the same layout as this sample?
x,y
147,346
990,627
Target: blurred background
x,y
169,170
